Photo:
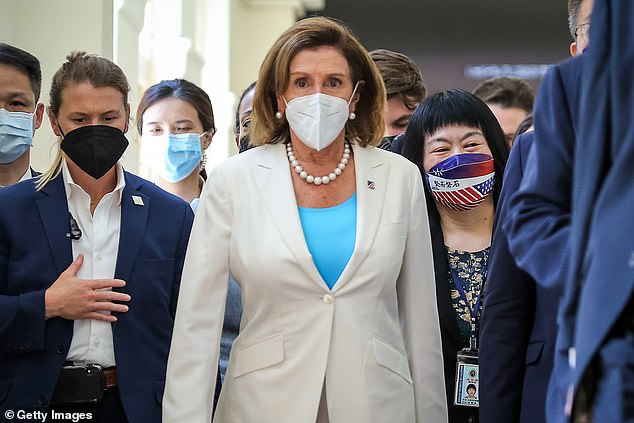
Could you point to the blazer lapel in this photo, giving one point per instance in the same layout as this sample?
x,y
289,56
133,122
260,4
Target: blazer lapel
x,y
371,176
133,223
446,312
272,176
53,210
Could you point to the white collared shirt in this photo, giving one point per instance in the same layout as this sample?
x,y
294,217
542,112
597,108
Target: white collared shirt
x,y
99,243
194,204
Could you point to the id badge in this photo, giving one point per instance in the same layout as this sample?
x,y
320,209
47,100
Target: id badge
x,y
467,378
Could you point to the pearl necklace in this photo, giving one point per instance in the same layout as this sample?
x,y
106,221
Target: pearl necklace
x,y
318,180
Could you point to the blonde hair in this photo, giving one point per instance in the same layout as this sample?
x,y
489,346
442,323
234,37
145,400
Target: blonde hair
x,y
366,129
78,68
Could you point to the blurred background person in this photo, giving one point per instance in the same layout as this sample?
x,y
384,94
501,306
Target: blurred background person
x,y
510,99
340,318
405,90
90,279
538,220
597,314
519,320
244,110
461,152
20,112
176,122
518,325
525,126
579,15
175,119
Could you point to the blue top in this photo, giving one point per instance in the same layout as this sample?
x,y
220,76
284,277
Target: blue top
x,y
330,234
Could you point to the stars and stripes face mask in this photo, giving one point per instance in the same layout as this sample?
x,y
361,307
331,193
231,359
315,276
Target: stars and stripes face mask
x,y
462,181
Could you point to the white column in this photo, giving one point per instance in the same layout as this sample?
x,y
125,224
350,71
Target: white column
x,y
254,26
217,44
128,17
169,47
215,48
168,41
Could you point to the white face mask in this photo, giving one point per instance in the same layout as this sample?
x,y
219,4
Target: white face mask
x,y
318,118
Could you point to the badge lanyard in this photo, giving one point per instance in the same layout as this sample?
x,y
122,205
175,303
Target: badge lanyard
x,y
473,312
467,368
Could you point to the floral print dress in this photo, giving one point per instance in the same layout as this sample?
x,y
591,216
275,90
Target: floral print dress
x,y
471,270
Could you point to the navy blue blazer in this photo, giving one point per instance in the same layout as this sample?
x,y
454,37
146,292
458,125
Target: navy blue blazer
x,y
519,321
602,272
539,221
34,251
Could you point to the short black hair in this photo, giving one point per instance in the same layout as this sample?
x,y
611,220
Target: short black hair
x,y
455,107
24,62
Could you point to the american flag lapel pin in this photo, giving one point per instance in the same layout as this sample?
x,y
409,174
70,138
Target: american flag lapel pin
x,y
371,184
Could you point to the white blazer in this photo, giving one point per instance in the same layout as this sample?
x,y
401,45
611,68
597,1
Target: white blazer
x,y
373,341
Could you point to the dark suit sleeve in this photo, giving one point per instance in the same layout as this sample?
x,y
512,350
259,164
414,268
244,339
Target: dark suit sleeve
x,y
180,257
22,317
22,320
508,312
538,224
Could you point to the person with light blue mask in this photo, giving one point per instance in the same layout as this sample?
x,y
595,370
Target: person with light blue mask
x,y
176,122
20,112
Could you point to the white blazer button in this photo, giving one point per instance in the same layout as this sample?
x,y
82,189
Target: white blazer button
x,y
328,299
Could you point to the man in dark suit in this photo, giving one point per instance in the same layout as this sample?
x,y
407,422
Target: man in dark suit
x,y
537,226
597,321
518,326
20,112
90,265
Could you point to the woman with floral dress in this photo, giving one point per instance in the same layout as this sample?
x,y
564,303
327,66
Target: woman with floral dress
x,y
461,152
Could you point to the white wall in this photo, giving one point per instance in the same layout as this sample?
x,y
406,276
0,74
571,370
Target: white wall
x,y
217,44
50,30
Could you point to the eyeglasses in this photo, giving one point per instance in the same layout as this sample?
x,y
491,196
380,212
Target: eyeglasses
x,y
585,31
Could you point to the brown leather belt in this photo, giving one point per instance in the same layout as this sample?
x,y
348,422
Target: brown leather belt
x,y
110,377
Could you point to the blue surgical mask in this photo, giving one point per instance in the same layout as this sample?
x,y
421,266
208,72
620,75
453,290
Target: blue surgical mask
x,y
174,156
16,134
